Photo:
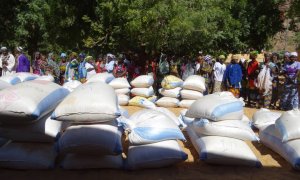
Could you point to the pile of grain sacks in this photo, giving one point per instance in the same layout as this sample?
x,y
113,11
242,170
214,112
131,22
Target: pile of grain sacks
x,y
93,139
171,87
281,135
25,111
143,92
122,89
219,132
153,137
193,88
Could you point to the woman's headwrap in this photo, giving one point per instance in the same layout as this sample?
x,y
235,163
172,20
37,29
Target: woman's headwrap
x,y
89,58
254,53
207,58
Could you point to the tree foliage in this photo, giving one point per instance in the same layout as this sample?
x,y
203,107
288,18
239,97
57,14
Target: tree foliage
x,y
178,26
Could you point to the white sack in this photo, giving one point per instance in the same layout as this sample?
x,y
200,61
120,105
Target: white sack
x,y
141,102
101,77
217,107
4,85
142,81
190,94
46,78
155,155
174,93
195,82
10,79
223,150
123,99
230,128
26,102
122,91
72,85
288,125
168,113
25,76
87,161
89,103
186,103
167,102
150,126
183,118
97,139
171,82
264,117
43,130
27,156
119,83
144,92
290,150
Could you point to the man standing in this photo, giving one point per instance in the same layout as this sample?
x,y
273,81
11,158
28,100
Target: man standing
x,y
23,64
7,62
218,72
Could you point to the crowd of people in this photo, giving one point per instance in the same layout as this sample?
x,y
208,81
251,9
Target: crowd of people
x,y
274,83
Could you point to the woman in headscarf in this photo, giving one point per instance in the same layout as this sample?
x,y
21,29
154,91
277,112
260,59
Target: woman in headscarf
x,y
275,81
72,68
233,76
100,64
120,69
89,66
62,68
37,64
264,81
54,66
290,98
252,73
23,64
205,71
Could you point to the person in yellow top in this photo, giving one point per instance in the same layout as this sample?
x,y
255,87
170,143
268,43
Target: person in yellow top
x,y
62,68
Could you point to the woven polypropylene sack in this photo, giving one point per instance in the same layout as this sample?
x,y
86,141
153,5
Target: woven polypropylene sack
x,y
217,107
142,81
156,155
87,161
195,82
290,150
288,125
119,83
167,102
17,155
97,139
26,102
89,103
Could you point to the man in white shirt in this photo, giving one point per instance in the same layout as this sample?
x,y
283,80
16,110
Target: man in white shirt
x,y
218,71
7,62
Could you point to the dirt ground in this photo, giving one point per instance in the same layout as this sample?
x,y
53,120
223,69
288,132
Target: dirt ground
x,y
274,167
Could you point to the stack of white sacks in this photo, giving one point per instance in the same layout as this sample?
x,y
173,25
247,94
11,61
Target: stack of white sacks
x,y
153,137
25,120
122,89
219,130
193,88
171,87
143,92
282,135
93,138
